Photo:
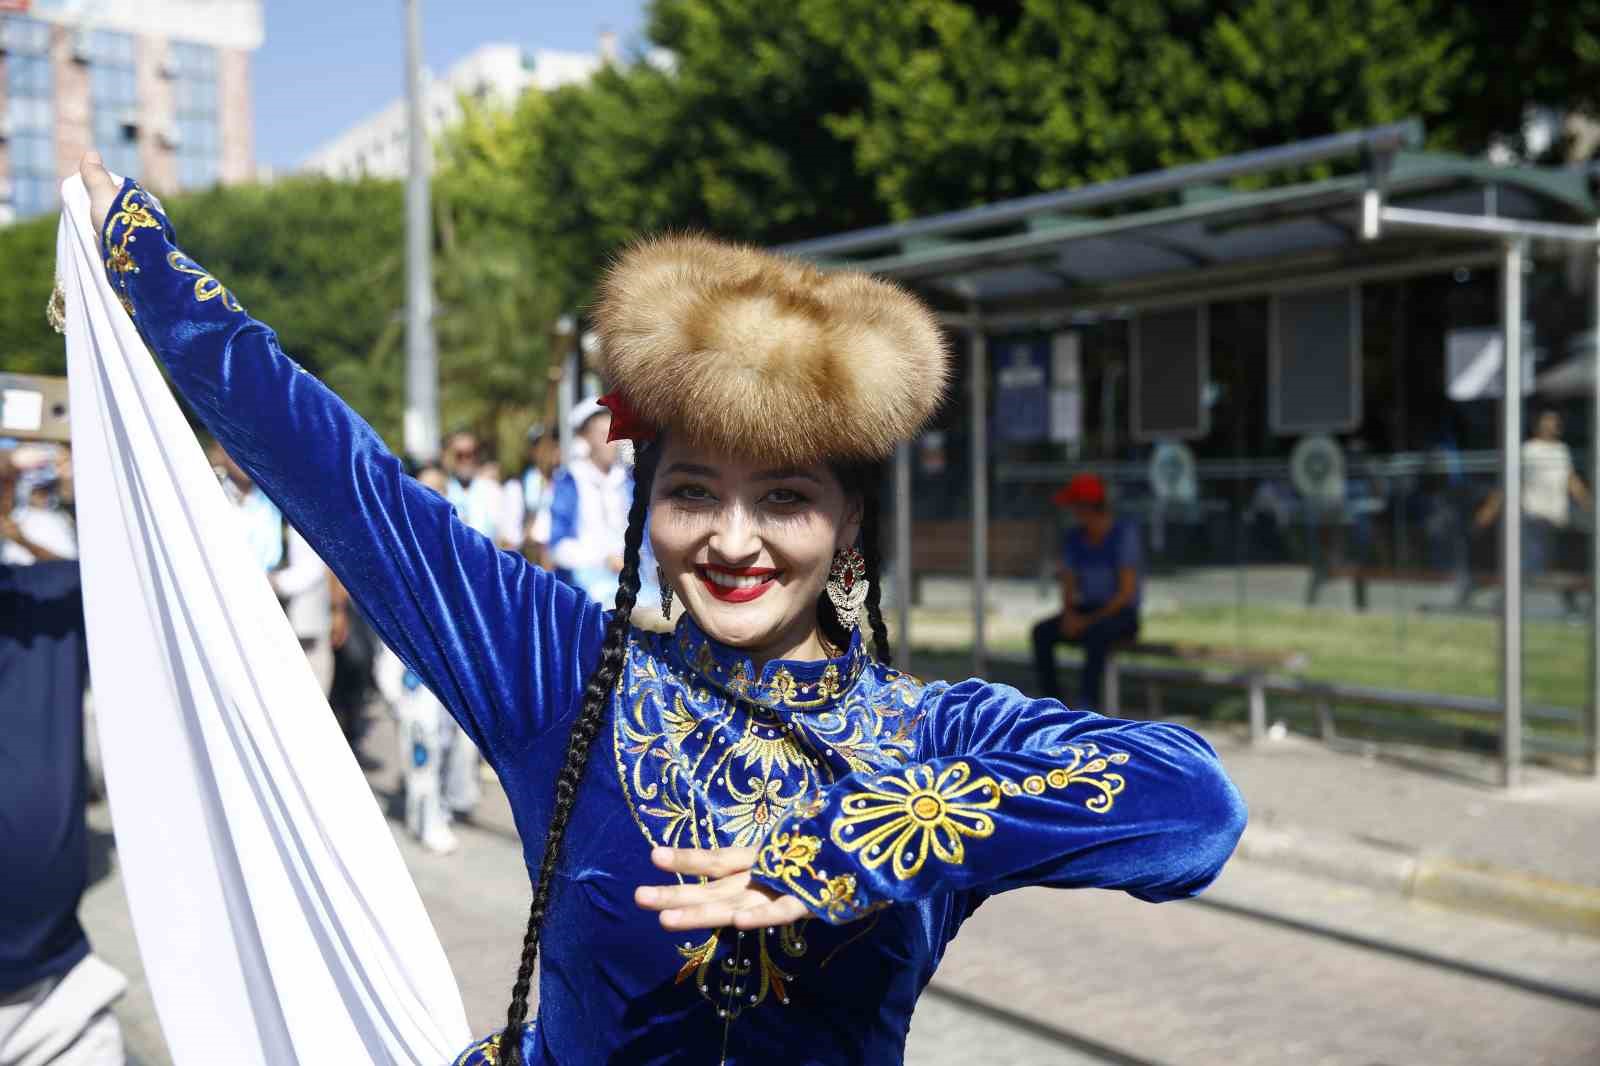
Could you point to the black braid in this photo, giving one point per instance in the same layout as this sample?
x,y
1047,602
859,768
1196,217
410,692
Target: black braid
x,y
872,555
596,698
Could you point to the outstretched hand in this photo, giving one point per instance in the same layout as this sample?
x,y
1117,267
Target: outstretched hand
x,y
102,188
728,898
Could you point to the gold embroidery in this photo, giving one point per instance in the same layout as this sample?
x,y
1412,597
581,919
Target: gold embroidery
x,y
784,686
790,858
708,758
207,287
906,815
1088,767
488,1050
134,214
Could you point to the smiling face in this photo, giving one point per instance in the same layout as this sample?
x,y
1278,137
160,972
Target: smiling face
x,y
746,547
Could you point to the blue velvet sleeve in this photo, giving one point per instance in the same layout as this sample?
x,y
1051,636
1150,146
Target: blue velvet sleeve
x,y
504,645
1012,791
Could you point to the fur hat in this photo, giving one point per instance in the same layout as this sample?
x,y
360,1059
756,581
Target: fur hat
x,y
759,355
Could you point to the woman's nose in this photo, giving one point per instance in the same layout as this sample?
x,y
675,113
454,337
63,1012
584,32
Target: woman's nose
x,y
734,540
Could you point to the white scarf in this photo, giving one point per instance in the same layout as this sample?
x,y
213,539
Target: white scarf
x,y
276,920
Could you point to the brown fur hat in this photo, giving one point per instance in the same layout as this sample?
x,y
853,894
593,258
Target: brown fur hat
x,y
766,357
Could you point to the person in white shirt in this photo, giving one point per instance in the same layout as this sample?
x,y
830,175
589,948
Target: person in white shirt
x,y
298,575
303,587
472,489
525,501
589,507
1549,485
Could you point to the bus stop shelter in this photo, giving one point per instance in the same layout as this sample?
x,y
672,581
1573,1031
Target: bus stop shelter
x,y
1260,223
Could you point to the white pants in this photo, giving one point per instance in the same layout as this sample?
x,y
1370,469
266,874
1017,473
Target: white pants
x,y
64,1021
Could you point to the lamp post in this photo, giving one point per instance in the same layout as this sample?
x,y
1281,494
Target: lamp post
x,y
422,370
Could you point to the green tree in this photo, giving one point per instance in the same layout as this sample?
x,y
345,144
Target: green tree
x,y
27,343
967,105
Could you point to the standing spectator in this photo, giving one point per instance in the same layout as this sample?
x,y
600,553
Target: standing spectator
x,y
1100,574
298,575
525,500
589,507
34,527
303,587
447,775
1549,484
260,522
55,996
475,494
355,649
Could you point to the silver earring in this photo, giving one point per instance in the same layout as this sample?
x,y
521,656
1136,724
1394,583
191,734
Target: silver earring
x,y
847,586
666,594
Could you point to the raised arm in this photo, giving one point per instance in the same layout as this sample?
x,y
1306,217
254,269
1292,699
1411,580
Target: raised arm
x,y
1011,792
504,645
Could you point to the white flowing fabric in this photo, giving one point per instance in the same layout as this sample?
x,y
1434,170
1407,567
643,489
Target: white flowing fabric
x,y
277,922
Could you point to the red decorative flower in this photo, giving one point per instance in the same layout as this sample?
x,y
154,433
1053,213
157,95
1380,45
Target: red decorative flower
x,y
626,424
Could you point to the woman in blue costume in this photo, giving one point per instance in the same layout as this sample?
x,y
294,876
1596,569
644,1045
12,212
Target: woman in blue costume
x,y
751,839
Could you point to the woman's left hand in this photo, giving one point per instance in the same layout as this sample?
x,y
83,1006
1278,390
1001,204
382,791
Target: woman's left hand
x,y
729,897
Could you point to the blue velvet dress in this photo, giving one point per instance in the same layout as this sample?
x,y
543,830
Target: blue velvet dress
x,y
892,807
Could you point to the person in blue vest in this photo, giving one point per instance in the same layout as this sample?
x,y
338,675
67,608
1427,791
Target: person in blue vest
x,y
1102,563
750,839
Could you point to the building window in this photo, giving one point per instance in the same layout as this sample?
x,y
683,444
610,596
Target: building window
x,y
114,100
195,90
30,114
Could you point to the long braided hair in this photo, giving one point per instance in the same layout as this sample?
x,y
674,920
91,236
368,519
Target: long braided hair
x,y
859,479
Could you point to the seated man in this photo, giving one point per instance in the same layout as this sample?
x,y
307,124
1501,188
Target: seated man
x,y
1100,565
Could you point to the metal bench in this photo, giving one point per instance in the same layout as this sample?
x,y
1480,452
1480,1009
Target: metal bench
x,y
1253,672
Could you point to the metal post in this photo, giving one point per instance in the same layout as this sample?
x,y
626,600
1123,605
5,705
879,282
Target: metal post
x,y
1511,515
567,383
1594,538
978,427
902,553
422,372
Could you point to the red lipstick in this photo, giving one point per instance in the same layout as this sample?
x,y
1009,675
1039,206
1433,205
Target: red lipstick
x,y
742,592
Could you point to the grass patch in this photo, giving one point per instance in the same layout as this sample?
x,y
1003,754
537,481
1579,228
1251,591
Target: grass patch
x,y
1450,655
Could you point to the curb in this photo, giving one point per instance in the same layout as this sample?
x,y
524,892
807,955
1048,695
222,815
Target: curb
x,y
1522,897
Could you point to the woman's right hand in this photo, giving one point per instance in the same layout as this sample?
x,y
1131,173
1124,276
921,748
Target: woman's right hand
x,y
102,188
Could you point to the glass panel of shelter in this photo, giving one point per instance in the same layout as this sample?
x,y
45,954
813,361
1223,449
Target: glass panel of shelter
x,y
1392,585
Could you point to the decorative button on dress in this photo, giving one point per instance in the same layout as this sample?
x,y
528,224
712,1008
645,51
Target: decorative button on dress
x,y
890,807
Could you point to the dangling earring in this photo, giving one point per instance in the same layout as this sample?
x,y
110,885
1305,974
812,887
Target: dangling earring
x,y
666,594
847,586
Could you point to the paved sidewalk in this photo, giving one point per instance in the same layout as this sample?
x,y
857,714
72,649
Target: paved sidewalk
x,y
1426,803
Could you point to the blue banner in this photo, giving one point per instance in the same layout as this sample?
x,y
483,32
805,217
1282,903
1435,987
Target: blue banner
x,y
1022,394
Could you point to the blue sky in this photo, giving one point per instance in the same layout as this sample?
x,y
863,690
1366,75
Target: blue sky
x,y
325,63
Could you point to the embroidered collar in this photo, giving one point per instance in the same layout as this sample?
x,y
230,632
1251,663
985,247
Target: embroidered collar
x,y
783,683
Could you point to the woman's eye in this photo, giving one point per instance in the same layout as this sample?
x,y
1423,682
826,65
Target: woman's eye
x,y
691,493
785,497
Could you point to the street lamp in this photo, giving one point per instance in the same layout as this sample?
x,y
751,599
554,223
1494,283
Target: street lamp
x,y
422,370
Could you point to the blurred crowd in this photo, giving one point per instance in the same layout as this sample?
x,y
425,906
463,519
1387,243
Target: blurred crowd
x,y
564,512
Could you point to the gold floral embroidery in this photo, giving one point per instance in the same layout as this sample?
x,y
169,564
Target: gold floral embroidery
x,y
708,758
728,992
131,215
487,1051
790,858
784,690
1088,767
784,686
207,287
905,815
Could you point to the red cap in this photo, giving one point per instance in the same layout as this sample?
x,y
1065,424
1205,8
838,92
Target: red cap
x,y
1082,490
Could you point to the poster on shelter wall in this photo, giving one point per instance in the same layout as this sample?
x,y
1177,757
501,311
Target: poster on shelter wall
x,y
1474,363
1066,388
1022,400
